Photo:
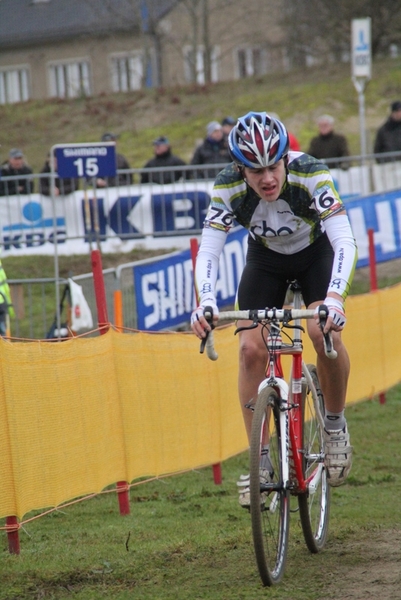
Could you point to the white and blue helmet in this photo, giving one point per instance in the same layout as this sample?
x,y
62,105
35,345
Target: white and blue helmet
x,y
258,140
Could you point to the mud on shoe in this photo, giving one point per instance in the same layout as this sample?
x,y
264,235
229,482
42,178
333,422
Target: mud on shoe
x,y
337,456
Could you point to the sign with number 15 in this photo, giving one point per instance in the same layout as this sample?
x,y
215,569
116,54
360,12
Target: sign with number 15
x,y
85,160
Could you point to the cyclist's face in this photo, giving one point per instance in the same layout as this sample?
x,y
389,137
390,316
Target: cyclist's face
x,y
267,181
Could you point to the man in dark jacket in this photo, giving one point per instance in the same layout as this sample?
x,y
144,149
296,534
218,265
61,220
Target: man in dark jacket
x,y
388,137
163,158
329,144
122,163
15,167
62,186
212,151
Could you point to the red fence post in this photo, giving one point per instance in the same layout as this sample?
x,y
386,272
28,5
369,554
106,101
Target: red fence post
x,y
217,476
373,283
103,322
12,535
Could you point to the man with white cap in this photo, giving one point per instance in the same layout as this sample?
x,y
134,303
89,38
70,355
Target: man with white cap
x,y
212,151
328,144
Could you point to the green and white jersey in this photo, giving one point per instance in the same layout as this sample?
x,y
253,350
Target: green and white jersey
x,y
291,223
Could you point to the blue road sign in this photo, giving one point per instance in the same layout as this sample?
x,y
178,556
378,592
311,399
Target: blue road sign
x,y
86,160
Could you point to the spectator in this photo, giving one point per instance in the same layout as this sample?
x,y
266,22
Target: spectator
x,y
388,137
163,158
62,186
15,166
329,144
227,124
122,163
212,151
294,144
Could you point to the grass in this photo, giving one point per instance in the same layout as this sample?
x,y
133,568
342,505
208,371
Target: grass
x,y
182,113
188,538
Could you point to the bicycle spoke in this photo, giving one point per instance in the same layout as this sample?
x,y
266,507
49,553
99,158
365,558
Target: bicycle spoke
x,y
314,505
269,509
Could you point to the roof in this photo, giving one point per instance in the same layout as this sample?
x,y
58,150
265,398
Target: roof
x,y
28,22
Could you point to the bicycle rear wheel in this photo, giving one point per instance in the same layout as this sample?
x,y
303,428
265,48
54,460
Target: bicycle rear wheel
x,y
270,508
314,504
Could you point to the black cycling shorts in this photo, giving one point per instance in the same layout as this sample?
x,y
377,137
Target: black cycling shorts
x,y
266,274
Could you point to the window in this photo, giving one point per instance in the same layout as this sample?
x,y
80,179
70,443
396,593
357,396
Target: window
x,y
190,60
14,85
250,61
70,79
126,72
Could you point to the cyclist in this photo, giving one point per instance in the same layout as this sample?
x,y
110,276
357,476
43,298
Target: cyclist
x,y
298,229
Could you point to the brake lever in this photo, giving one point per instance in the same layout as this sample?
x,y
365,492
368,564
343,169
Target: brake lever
x,y
328,340
208,314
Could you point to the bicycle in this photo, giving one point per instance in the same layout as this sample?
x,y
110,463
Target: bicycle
x,y
290,417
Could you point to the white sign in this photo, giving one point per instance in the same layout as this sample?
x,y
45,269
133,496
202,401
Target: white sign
x,y
361,48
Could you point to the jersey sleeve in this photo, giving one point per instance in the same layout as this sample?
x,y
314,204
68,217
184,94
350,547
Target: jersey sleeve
x,y
326,199
219,215
340,235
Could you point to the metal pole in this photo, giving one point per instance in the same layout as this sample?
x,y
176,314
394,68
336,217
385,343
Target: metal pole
x,y
360,85
56,265
362,127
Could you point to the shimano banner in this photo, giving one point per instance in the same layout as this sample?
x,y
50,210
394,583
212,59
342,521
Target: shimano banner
x,y
164,288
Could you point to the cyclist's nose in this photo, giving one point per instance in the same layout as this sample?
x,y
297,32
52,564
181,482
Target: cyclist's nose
x,y
267,175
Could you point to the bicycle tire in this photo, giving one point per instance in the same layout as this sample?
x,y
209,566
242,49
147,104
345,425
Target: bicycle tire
x,y
270,518
314,505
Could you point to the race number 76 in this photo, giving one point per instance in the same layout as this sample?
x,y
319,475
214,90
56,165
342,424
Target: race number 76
x,y
86,167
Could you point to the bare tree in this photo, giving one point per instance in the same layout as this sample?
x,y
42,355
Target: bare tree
x,y
321,29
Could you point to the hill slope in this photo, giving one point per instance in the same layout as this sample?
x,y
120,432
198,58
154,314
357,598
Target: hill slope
x,y
182,113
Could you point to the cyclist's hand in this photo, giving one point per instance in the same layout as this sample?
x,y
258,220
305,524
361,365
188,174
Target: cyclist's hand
x,y
336,319
199,324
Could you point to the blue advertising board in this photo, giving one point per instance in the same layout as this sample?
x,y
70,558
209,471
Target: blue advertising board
x,y
382,214
86,160
164,289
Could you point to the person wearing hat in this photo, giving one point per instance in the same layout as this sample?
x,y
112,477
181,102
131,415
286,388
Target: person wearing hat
x,y
122,163
388,137
212,151
15,167
227,124
62,185
163,157
329,144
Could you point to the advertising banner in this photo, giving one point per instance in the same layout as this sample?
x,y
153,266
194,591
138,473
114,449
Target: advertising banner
x,y
164,288
164,291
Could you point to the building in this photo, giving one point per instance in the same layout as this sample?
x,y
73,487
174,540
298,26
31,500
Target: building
x,y
72,48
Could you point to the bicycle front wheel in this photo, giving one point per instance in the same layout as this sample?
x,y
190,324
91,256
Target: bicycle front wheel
x,y
270,503
314,504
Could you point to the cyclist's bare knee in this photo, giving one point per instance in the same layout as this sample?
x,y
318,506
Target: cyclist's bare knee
x,y
252,352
